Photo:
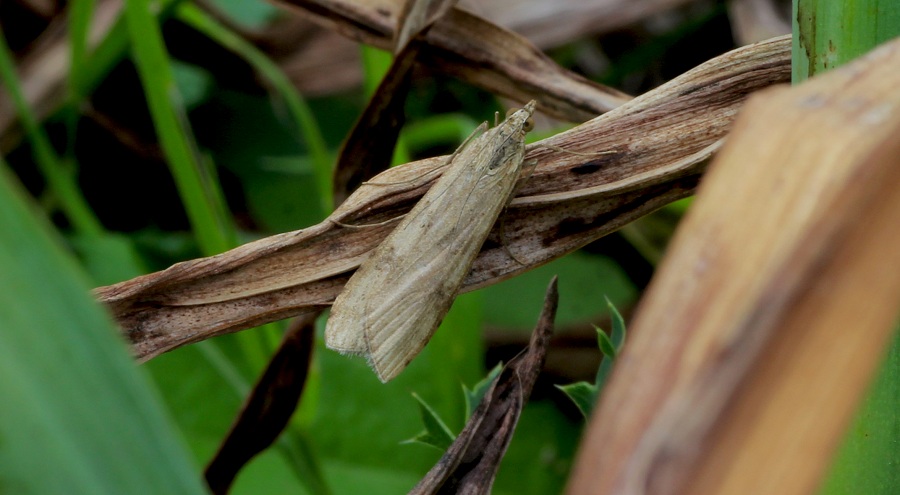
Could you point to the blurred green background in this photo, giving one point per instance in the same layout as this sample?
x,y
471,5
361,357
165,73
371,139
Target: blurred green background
x,y
183,134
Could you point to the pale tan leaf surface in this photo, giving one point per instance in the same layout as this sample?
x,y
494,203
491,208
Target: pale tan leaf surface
x,y
661,142
417,16
326,63
775,304
474,50
551,24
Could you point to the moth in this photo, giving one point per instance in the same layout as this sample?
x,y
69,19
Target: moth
x,y
397,298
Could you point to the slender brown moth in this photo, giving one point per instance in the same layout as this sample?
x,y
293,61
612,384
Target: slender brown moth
x,y
395,301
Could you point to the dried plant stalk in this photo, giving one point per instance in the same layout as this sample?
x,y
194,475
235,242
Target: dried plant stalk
x,y
466,46
774,305
662,141
470,464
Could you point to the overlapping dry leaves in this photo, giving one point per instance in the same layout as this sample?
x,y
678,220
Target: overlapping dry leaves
x,y
661,140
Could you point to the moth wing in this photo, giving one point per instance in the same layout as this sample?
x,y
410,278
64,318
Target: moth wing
x,y
409,314
345,330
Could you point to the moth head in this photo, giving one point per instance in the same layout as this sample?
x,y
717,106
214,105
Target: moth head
x,y
528,125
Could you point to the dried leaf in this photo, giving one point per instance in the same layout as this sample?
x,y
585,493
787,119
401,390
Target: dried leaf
x,y
269,407
370,146
739,377
470,464
662,139
417,16
466,46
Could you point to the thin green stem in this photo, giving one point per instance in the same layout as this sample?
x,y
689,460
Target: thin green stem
x,y
306,123
197,185
60,181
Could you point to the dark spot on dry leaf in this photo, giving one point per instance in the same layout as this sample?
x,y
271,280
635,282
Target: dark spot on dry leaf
x,y
567,227
586,168
490,244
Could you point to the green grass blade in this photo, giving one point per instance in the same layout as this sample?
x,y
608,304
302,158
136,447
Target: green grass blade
x,y
196,183
77,416
191,15
869,460
59,180
436,433
111,49
80,12
828,34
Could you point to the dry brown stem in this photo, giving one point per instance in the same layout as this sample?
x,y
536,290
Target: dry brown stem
x,y
774,305
326,63
474,50
661,142
470,464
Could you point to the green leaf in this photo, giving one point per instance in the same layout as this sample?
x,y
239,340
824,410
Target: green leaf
x,y
73,399
436,433
59,179
603,373
515,303
606,346
195,178
828,34
583,394
108,258
294,103
618,326
194,83
476,393
868,460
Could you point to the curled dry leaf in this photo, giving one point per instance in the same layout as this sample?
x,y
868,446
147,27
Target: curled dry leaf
x,y
417,16
476,51
370,146
471,462
269,408
662,141
742,373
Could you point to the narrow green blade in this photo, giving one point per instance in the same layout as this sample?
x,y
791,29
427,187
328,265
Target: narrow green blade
x,y
76,415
